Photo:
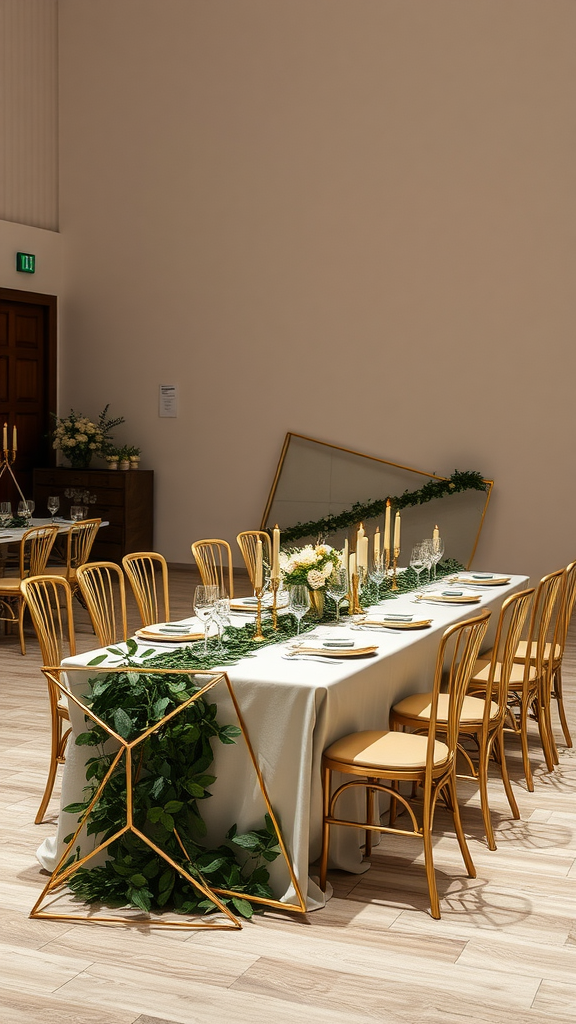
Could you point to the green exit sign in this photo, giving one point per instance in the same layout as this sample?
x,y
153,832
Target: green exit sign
x,y
25,262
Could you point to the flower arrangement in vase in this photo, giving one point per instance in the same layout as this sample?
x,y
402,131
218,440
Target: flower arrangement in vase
x,y
79,439
311,566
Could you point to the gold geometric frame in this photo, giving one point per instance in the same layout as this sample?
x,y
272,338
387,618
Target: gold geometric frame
x,y
63,871
371,458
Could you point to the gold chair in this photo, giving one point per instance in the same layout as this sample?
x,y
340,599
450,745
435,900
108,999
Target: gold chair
x,y
35,547
211,557
79,543
102,587
140,568
45,596
384,755
530,680
558,646
482,718
247,544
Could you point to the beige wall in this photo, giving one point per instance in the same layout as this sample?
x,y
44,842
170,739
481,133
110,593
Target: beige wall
x,y
349,218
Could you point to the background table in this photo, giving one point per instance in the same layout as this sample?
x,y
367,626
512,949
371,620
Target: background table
x,y
293,710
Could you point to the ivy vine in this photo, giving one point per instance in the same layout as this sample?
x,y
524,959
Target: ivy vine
x,y
361,512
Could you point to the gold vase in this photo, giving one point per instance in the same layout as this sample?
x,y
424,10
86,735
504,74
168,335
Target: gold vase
x,y
316,603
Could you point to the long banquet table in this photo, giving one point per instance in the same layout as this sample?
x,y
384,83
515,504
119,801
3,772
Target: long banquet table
x,y
293,710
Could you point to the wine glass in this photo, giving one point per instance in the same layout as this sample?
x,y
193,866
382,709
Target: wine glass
x,y
25,509
222,617
53,504
427,554
77,513
437,552
205,598
299,603
337,587
378,574
417,563
5,512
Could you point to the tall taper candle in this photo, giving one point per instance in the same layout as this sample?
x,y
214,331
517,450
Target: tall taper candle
x,y
345,555
5,438
377,545
436,533
362,553
397,532
352,566
275,570
387,527
14,439
258,577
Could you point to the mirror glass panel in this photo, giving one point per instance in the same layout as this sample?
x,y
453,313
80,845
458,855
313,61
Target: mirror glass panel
x,y
315,479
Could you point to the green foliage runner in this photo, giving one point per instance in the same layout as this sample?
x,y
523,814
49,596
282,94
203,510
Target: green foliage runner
x,y
459,481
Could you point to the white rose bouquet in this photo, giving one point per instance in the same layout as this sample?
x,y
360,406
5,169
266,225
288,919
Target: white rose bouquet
x,y
310,566
79,438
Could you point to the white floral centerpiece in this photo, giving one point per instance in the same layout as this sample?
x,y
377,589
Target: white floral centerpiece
x,y
78,438
312,567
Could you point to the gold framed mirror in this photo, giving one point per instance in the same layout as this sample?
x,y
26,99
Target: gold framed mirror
x,y
317,482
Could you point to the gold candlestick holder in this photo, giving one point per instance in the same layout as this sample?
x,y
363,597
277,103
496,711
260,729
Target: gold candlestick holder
x,y
258,634
275,584
7,460
355,606
396,555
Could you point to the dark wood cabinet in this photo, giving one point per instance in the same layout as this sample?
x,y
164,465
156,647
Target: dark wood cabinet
x,y
125,499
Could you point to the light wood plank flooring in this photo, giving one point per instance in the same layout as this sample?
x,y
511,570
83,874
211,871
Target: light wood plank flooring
x,y
505,947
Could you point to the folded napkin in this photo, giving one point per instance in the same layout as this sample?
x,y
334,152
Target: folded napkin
x,y
398,618
339,652
450,597
396,624
485,581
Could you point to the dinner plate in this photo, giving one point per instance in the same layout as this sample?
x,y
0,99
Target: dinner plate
x,y
449,599
398,624
168,637
483,581
336,652
249,606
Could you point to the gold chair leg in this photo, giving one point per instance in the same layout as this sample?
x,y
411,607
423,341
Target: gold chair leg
x,y
393,804
524,742
557,694
326,778
369,819
466,855
544,734
21,611
500,753
483,787
427,817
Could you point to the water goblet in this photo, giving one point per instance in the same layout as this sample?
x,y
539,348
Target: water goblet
x,y
25,509
205,598
427,554
222,618
299,603
337,587
437,552
5,512
53,504
77,513
417,563
378,574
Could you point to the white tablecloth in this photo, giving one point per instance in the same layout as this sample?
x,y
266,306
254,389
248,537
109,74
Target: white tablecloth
x,y
293,710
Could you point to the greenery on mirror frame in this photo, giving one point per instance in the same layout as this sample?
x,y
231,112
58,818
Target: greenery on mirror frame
x,y
172,776
361,512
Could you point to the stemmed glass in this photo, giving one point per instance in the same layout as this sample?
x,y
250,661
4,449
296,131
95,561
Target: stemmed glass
x,y
437,552
299,602
417,563
205,598
53,504
222,617
337,587
76,513
5,512
428,556
378,574
25,509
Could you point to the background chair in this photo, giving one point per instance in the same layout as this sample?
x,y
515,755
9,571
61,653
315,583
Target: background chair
x,y
79,542
45,596
35,547
211,558
382,755
153,602
102,587
482,717
247,544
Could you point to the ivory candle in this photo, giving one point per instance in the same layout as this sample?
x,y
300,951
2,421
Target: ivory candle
x,y
14,439
352,565
345,555
436,533
258,577
362,553
5,438
397,532
387,527
377,545
275,571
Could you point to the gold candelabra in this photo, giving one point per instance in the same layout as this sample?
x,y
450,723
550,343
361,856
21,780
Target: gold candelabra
x,y
7,460
396,555
275,584
355,607
258,634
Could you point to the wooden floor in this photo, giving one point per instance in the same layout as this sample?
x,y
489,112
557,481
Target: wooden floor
x,y
504,949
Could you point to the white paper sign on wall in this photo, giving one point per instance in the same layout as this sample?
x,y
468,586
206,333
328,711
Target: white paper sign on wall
x,y
167,400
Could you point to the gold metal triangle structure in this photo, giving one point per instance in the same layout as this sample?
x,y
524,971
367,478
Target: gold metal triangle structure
x,y
69,864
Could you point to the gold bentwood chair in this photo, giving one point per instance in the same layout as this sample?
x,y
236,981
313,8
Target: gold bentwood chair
x,y
140,568
35,547
530,680
482,718
79,542
383,755
211,557
45,597
247,544
558,646
102,587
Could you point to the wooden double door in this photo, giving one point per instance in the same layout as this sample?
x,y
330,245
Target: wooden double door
x,y
27,382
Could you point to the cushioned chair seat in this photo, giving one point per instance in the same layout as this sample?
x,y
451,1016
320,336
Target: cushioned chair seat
x,y
60,570
482,671
10,584
522,650
418,706
380,750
